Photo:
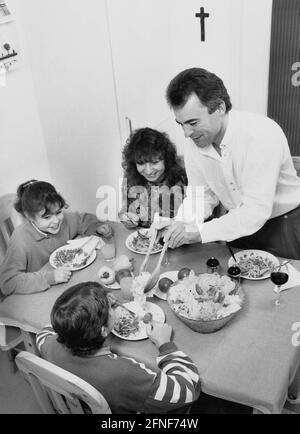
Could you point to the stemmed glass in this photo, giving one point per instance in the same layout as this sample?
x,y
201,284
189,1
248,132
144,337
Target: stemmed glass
x,y
279,276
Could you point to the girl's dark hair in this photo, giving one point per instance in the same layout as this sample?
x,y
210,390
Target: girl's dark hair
x,y
34,196
207,86
145,145
78,316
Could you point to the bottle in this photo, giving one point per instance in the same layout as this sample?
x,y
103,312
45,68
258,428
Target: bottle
x,y
234,272
212,265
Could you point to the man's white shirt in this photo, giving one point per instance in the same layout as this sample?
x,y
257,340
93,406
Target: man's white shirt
x,y
254,179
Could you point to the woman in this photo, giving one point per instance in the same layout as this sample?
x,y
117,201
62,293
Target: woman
x,y
154,180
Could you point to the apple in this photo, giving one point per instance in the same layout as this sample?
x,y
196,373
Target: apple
x,y
184,272
164,284
147,318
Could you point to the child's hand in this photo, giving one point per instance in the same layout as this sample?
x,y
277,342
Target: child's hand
x,y
62,275
159,333
111,299
130,220
105,230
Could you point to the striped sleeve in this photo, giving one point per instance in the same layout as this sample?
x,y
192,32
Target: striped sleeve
x,y
45,333
177,384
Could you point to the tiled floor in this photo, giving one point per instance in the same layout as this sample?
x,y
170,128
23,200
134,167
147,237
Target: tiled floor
x,y
16,397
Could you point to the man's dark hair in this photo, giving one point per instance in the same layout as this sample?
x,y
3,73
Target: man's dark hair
x,y
78,316
207,86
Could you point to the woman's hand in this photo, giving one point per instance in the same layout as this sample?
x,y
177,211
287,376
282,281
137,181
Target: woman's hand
x,y
62,275
130,220
105,230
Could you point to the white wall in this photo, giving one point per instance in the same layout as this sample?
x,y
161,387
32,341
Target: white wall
x,y
64,124
68,47
22,149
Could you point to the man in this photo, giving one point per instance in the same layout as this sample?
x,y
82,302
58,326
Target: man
x,y
242,161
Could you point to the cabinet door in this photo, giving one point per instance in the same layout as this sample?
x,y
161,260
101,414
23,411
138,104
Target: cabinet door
x,y
153,41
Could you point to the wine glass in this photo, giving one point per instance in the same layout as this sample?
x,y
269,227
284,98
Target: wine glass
x,y
279,276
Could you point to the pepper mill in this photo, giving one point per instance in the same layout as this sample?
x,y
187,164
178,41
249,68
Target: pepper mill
x,y
212,265
234,272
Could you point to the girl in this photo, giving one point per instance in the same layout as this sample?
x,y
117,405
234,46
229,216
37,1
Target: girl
x,y
154,180
47,226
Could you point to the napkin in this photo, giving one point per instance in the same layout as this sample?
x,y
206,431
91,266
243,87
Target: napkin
x,y
78,242
294,279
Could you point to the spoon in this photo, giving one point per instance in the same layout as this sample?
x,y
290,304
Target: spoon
x,y
231,252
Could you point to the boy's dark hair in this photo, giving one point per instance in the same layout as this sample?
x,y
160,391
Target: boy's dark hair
x,y
34,196
207,86
145,145
78,316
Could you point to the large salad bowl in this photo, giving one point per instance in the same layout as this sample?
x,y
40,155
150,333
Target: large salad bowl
x,y
206,303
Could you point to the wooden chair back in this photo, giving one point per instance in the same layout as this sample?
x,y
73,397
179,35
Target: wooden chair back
x,y
9,219
59,391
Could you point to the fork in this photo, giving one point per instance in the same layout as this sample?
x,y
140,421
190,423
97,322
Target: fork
x,y
118,303
156,272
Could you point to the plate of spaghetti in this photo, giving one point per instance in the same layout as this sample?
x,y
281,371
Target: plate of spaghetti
x,y
254,264
66,256
132,328
139,241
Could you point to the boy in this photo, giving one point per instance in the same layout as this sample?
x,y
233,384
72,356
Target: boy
x,y
82,318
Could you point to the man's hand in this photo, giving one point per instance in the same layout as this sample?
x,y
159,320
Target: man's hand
x,y
179,233
159,333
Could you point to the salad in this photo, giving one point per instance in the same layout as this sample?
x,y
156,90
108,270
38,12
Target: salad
x,y
204,297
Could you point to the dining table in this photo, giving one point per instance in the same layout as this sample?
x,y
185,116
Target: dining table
x,y
252,360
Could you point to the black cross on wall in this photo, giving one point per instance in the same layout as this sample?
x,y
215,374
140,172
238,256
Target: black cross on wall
x,y
202,15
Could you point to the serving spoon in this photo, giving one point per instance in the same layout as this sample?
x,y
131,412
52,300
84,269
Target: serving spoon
x,y
156,272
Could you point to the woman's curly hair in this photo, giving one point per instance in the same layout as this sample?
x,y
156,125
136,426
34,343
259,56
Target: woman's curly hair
x,y
146,145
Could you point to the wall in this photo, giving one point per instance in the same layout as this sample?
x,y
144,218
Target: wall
x,y
68,47
22,148
64,124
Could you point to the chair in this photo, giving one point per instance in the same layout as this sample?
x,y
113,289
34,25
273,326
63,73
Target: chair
x,y
59,391
10,337
296,161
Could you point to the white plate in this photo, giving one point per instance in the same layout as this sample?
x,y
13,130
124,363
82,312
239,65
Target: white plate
x,y
114,285
157,315
173,275
254,253
72,268
130,238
